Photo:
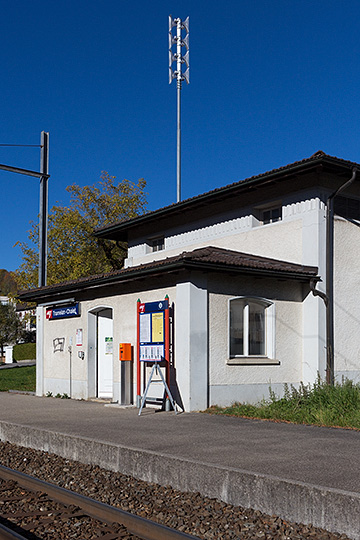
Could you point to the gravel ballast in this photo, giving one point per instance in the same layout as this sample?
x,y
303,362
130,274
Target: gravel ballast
x,y
189,512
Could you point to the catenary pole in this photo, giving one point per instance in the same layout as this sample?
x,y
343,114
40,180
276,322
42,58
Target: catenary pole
x,y
44,177
43,219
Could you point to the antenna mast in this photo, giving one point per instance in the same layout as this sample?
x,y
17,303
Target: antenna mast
x,y
180,76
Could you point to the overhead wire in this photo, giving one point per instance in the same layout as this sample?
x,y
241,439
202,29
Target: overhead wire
x,y
24,145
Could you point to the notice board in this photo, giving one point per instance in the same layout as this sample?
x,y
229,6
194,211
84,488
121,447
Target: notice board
x,y
153,331
152,316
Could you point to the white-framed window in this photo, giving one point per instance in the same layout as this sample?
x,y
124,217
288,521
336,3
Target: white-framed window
x,y
251,330
271,215
157,244
269,212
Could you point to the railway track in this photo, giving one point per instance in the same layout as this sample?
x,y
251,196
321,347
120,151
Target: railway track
x,y
33,509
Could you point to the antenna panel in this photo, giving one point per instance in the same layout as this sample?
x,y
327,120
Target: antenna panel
x,y
186,76
172,75
172,58
171,23
185,24
186,58
185,41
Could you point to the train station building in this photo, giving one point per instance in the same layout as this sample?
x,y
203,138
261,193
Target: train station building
x,y
260,280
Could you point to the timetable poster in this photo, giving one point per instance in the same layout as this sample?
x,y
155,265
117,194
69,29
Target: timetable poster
x,y
157,327
145,325
151,353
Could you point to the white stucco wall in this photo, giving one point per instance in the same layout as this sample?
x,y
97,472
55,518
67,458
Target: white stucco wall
x,y
300,323
250,383
56,366
191,343
314,311
283,240
346,299
203,373
299,237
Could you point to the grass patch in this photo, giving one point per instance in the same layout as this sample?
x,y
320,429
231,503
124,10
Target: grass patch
x,y
319,404
18,378
24,351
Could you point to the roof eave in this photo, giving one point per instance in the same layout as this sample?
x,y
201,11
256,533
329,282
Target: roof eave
x,y
60,290
264,272
116,230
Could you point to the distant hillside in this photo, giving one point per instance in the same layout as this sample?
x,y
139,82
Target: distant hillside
x,y
7,283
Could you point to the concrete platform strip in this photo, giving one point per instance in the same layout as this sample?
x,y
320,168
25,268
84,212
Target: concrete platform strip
x,y
331,509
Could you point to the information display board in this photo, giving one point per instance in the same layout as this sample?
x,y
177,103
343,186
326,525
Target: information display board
x,y
152,331
153,338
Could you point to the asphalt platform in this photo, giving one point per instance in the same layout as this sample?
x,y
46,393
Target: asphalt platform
x,y
306,474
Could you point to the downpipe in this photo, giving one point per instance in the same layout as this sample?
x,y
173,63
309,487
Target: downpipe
x,y
330,278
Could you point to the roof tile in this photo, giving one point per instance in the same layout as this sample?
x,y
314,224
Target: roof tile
x,y
212,257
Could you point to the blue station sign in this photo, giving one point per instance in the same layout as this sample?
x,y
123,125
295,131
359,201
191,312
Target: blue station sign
x,y
153,307
63,312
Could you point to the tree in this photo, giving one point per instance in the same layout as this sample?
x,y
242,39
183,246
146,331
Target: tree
x,y
10,326
7,283
73,251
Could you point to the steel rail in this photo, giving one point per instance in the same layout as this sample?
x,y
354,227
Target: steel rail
x,y
144,528
9,534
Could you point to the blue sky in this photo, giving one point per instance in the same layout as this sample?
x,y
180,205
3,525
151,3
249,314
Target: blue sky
x,y
272,81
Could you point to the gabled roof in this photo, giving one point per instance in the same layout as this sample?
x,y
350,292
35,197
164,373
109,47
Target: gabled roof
x,y
207,259
318,161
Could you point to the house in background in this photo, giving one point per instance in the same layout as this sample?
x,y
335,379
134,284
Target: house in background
x,y
27,315
258,274
27,318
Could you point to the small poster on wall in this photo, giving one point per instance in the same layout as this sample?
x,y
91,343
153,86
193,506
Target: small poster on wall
x,y
79,337
108,345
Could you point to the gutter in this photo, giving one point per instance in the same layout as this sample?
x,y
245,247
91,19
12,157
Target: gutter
x,y
330,278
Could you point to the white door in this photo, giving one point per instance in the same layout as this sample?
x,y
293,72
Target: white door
x,y
105,354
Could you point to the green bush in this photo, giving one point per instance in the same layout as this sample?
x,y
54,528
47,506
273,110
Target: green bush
x,y
318,404
24,351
